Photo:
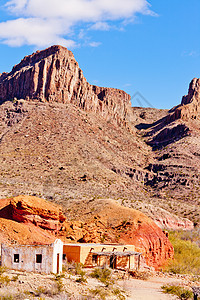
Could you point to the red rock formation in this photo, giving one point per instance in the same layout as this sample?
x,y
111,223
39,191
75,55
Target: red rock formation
x,y
53,75
153,242
28,209
105,220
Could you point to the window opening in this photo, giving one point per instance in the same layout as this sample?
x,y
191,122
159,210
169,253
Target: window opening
x,y
94,258
38,258
16,258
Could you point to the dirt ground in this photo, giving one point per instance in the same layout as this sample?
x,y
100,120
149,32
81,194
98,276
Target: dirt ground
x,y
150,289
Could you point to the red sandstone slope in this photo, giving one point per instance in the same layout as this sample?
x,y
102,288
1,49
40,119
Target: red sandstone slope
x,y
13,231
107,221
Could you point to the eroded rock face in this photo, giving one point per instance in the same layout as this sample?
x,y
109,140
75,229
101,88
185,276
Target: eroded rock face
x,y
190,105
29,209
193,93
163,218
155,244
53,75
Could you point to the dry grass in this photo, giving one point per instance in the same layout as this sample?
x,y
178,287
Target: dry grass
x,y
186,254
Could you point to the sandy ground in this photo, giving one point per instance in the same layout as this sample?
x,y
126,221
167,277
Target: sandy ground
x,y
148,290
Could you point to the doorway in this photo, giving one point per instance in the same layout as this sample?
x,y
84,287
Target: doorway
x,y
58,263
113,261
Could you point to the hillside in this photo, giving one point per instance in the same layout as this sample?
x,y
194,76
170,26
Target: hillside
x,y
65,140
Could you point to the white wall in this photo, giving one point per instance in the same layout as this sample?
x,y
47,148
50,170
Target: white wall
x,y
27,257
58,249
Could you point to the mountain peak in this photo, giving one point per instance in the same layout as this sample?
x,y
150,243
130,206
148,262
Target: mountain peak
x,y
39,55
193,93
53,75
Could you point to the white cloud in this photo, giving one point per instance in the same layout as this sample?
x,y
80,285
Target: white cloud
x,y
94,44
33,31
192,53
100,26
46,22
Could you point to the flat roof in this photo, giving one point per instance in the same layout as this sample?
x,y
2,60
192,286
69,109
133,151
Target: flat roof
x,y
117,253
91,245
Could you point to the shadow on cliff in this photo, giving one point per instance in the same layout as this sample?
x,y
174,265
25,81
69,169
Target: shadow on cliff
x,y
163,132
6,212
155,126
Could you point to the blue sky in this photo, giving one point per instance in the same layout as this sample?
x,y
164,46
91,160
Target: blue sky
x,y
151,47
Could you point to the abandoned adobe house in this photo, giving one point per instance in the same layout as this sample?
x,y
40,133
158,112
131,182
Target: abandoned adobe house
x,y
33,258
111,255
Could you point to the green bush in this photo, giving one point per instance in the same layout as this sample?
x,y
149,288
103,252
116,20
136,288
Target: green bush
x,y
79,269
103,275
178,291
186,256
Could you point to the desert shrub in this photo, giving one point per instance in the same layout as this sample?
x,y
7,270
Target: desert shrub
x,y
178,291
46,291
69,267
81,279
191,235
101,293
79,269
58,280
119,293
2,270
4,280
102,274
143,275
186,256
15,278
104,292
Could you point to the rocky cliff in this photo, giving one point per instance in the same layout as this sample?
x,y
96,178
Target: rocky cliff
x,y
190,104
175,173
53,75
